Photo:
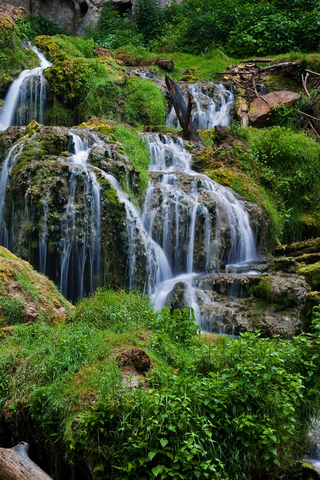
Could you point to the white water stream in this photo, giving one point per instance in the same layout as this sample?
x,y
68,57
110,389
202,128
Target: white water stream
x,y
209,112
26,96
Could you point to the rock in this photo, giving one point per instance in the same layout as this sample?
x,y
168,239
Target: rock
x,y
9,13
299,248
259,114
312,275
165,64
26,295
103,52
135,357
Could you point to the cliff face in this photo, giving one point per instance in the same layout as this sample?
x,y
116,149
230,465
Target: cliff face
x,y
71,14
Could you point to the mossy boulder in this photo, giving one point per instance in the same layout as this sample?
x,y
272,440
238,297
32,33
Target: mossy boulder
x,y
312,275
26,295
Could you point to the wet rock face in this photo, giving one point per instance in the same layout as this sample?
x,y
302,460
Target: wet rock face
x,y
233,303
48,209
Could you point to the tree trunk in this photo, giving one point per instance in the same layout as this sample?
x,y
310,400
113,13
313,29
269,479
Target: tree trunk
x,y
15,464
183,113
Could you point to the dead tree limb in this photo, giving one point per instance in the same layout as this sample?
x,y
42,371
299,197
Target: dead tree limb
x,y
259,60
315,131
183,113
304,84
313,73
278,65
307,115
15,464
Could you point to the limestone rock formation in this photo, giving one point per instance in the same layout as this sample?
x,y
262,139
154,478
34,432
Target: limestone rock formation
x,y
259,114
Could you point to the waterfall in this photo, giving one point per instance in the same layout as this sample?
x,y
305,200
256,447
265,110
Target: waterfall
x,y
10,160
26,96
177,207
158,268
81,242
209,111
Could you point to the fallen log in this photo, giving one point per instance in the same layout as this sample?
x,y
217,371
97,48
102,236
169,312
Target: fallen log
x,y
15,464
278,65
183,112
165,64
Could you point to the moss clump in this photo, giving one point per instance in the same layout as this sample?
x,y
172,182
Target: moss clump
x,y
13,57
263,289
25,295
145,103
312,275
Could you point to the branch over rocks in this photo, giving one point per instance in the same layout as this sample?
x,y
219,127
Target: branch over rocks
x,y
183,112
15,464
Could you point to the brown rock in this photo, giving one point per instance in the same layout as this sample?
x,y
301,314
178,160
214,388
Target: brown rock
x,y
135,357
260,110
103,52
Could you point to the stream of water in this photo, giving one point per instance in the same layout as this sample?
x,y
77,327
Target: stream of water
x,y
26,96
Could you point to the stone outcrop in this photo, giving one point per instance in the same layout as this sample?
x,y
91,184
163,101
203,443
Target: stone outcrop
x,y
26,295
260,111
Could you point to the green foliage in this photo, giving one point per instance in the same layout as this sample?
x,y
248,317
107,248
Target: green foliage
x,y
14,310
13,57
285,163
231,408
145,104
149,18
35,25
75,46
114,30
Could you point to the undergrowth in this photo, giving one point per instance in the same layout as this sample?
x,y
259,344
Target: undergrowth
x,y
208,408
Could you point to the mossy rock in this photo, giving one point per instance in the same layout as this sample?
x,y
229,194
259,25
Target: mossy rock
x,y
299,248
26,295
312,275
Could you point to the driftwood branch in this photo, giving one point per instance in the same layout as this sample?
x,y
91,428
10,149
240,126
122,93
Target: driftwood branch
x,y
183,112
15,464
307,115
313,73
278,65
260,60
304,83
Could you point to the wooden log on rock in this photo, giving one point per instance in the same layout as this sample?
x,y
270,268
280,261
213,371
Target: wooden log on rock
x,y
183,112
165,64
15,464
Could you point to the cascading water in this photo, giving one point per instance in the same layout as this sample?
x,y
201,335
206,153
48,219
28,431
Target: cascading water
x,y
81,241
181,212
10,160
26,96
209,111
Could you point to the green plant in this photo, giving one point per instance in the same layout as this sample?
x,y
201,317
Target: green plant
x,y
14,310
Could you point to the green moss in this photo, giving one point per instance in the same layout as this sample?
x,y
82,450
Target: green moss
x,y
312,274
13,57
136,148
145,103
263,289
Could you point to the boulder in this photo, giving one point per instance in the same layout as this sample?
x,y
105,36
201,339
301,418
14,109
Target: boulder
x,y
102,52
259,114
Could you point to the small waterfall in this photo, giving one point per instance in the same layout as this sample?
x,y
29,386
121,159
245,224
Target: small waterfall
x,y
177,219
26,96
209,111
10,160
158,268
81,241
